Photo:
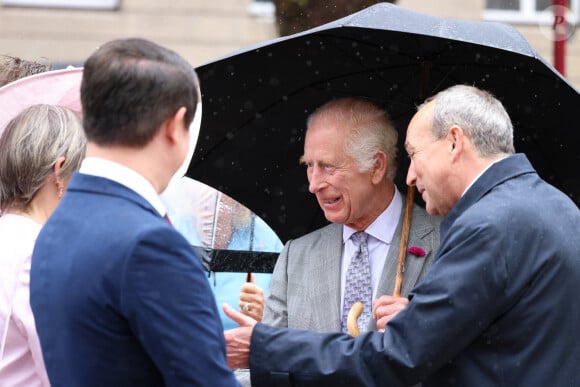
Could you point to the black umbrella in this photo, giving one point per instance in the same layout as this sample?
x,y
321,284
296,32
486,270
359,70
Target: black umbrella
x,y
255,101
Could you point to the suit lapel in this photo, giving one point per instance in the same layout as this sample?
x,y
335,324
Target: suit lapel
x,y
413,265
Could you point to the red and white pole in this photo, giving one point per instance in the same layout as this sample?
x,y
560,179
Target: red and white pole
x,y
560,35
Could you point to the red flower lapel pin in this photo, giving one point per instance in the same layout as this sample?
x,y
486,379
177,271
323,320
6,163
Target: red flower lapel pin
x,y
419,252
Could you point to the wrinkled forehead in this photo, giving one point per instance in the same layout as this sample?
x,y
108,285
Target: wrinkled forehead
x,y
324,143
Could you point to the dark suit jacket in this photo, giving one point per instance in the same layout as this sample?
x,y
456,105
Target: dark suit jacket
x,y
499,306
119,296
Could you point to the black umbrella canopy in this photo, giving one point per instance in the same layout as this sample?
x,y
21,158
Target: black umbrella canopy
x,y
256,101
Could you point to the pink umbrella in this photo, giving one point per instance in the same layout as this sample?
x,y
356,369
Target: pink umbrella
x,y
58,87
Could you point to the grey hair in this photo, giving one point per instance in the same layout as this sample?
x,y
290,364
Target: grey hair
x,y
370,130
29,147
480,115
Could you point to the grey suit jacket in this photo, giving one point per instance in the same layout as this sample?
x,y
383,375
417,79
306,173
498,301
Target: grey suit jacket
x,y
305,287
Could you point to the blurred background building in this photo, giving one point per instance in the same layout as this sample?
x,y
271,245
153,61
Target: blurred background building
x,y
66,31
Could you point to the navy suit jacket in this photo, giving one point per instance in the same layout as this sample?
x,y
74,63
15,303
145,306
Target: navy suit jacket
x,y
119,296
499,306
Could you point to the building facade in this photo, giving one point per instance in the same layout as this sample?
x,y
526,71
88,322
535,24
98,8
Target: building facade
x,y
67,31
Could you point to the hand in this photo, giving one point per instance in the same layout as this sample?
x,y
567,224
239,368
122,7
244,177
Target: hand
x,y
252,299
238,339
387,307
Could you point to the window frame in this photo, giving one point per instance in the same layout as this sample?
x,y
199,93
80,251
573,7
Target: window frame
x,y
527,14
68,4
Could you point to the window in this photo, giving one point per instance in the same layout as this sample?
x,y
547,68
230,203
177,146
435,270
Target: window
x,y
527,11
84,4
262,8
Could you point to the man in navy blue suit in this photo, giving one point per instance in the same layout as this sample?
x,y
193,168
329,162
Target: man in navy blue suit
x,y
499,306
119,296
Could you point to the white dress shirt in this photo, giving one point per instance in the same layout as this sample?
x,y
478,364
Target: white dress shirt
x,y
380,233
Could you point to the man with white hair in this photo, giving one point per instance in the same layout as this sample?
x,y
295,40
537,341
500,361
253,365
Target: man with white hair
x,y
496,308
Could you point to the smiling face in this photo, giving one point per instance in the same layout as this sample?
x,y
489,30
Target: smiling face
x,y
346,195
428,162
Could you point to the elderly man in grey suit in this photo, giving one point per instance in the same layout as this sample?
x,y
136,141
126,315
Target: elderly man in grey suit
x,y
350,157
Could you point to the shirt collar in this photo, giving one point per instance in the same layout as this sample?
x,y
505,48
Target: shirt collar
x,y
384,226
125,176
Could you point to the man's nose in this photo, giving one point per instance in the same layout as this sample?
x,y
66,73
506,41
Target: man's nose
x,y
315,180
411,175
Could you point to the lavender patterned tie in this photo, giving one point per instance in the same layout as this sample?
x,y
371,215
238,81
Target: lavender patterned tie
x,y
358,283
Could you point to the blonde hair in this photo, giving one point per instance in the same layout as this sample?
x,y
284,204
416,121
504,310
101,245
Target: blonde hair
x,y
29,147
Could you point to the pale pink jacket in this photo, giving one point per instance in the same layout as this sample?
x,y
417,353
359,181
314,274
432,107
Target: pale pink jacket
x,y
21,361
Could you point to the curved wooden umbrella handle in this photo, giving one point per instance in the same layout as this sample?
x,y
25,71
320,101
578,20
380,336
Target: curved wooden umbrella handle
x,y
352,318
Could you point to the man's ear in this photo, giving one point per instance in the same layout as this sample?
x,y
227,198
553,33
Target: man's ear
x,y
379,167
456,139
175,124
